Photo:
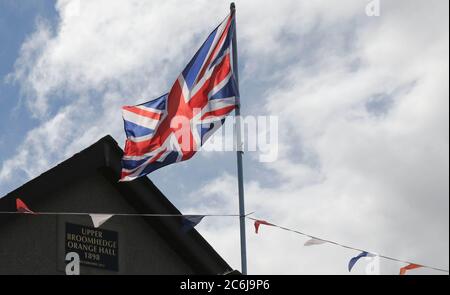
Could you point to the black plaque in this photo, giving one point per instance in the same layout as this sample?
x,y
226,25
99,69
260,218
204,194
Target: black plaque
x,y
96,247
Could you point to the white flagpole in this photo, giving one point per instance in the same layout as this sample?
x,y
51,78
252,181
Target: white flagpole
x,y
240,152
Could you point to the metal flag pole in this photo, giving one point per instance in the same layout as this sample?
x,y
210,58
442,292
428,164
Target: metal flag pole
x,y
239,152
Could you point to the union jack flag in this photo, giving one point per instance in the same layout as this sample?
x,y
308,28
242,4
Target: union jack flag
x,y
171,128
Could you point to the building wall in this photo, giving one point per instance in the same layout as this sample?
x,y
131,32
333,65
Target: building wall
x,y
35,244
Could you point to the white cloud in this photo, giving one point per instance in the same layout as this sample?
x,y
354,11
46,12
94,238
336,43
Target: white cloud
x,y
376,182
373,179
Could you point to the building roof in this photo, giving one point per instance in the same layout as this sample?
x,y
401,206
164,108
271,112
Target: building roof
x,y
104,157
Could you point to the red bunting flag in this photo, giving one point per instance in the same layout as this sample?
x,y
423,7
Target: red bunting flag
x,y
409,267
259,222
22,207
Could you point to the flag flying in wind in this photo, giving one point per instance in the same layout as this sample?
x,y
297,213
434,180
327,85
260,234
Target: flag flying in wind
x,y
173,127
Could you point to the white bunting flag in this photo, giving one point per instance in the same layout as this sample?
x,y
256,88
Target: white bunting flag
x,y
313,241
99,219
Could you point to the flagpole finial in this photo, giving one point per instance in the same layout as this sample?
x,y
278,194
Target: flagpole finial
x,y
232,7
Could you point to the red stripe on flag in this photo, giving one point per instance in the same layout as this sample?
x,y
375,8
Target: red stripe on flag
x,y
142,112
219,112
176,106
219,73
155,158
216,49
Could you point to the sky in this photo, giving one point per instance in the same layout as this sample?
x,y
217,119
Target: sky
x,y
361,101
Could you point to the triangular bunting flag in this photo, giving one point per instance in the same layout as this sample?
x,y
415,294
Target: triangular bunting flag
x,y
190,221
99,219
352,261
22,207
409,267
259,222
314,241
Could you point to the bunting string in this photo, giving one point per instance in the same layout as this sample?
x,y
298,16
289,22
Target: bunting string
x,y
410,265
125,214
191,220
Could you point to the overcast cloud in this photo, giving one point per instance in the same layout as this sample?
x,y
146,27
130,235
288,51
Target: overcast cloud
x,y
363,114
